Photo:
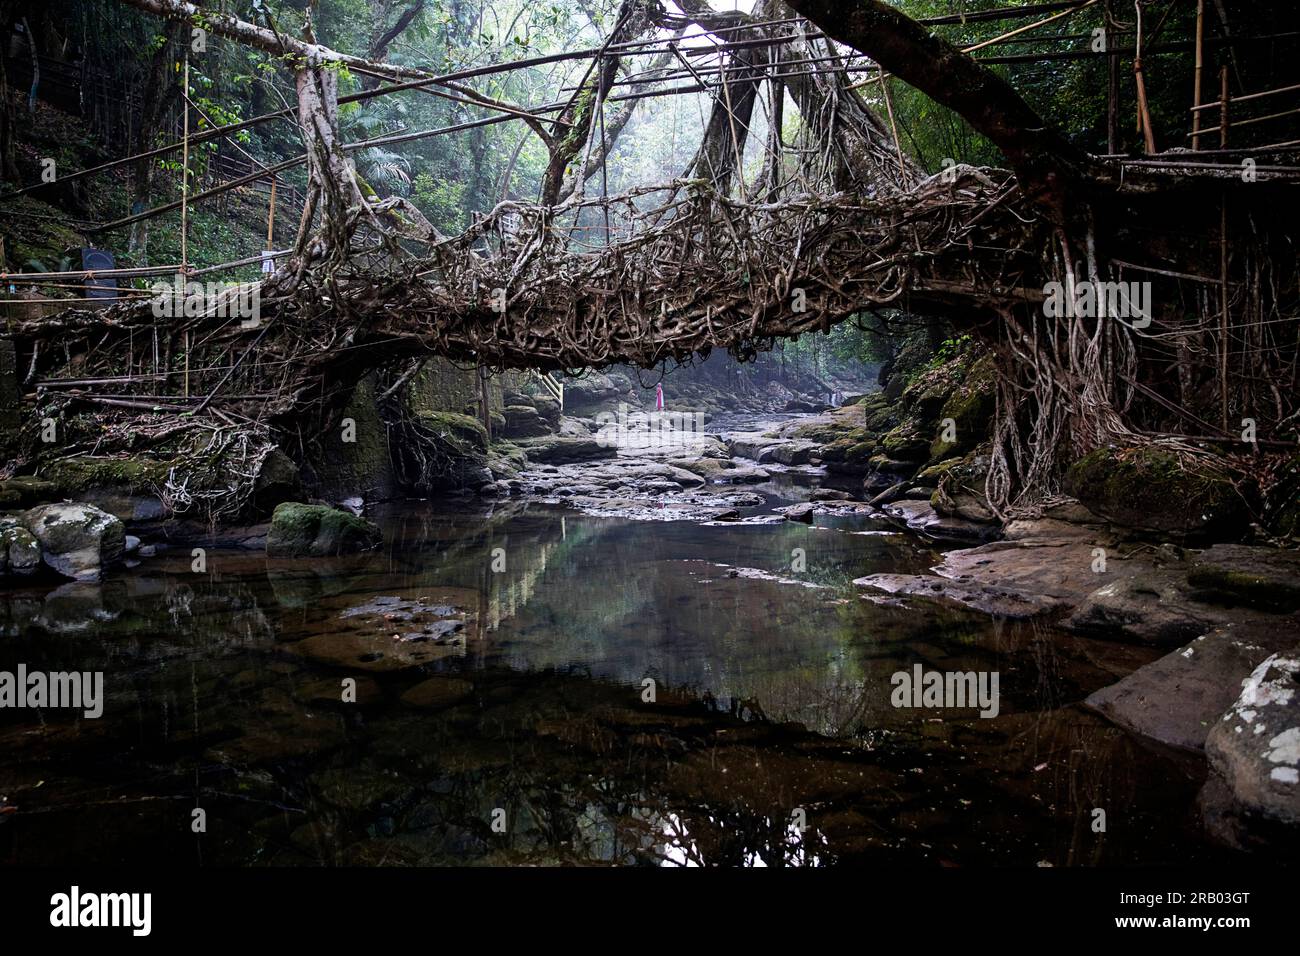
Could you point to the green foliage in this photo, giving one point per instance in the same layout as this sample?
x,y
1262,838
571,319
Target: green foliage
x,y
442,201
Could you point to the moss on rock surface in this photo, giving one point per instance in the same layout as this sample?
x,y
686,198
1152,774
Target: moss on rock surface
x,y
75,476
303,530
971,407
1148,488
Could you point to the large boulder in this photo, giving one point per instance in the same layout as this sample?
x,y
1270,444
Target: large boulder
x,y
277,481
1260,578
302,530
1252,797
592,390
76,540
971,407
1149,489
20,552
549,409
553,450
1178,698
524,421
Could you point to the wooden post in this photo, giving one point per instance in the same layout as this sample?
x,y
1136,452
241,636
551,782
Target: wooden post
x,y
893,126
1143,112
185,164
1112,91
1223,303
484,405
1223,106
1200,64
270,219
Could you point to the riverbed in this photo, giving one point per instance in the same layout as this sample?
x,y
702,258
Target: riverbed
x,y
520,682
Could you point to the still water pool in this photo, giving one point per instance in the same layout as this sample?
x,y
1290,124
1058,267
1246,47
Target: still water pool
x,y
500,664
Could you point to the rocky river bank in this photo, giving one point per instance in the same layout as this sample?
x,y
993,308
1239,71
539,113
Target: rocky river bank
x,y
1154,562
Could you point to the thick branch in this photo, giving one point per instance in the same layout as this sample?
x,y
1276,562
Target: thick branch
x,y
1045,162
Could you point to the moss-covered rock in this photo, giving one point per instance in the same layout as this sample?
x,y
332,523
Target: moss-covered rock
x,y
302,530
1261,578
524,421
906,443
25,492
277,481
463,434
959,491
354,461
970,407
879,414
1148,489
77,540
75,476
20,552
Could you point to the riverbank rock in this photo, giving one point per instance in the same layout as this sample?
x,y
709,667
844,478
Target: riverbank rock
x,y
20,552
1252,797
920,516
27,492
128,488
76,540
524,421
302,530
1149,489
277,481
722,470
801,512
1260,578
1178,698
555,450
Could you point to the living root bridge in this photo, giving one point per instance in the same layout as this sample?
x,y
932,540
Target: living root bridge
x,y
701,272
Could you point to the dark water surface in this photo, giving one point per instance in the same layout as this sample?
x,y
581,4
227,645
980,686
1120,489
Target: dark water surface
x,y
524,705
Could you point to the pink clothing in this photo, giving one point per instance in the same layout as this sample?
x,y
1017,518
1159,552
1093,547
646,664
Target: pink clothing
x,y
659,398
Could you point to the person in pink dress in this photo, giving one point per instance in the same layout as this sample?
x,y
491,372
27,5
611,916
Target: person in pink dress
x,y
659,397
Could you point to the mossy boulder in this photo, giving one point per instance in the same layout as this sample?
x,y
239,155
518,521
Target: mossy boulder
x,y
1149,489
74,476
879,414
277,481
20,552
462,434
130,487
960,489
25,492
906,443
524,421
77,540
302,530
1261,578
970,407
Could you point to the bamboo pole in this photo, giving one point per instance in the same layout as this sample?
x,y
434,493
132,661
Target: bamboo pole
x,y
1223,301
889,105
1200,65
185,166
1224,100
270,218
1143,112
1112,83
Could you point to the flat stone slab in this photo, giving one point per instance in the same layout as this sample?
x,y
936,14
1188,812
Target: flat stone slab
x,y
988,599
921,517
1177,699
